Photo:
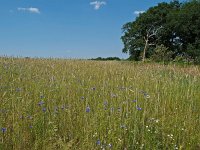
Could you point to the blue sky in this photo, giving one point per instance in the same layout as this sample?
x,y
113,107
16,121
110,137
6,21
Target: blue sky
x,y
66,28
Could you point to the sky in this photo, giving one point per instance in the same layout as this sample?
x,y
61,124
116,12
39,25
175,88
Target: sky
x,y
66,28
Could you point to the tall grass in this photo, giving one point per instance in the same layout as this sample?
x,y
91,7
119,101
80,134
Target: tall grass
x,y
77,104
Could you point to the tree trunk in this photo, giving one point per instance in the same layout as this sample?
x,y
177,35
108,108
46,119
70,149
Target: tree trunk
x,y
145,49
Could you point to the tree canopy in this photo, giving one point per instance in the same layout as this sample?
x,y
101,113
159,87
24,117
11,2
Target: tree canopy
x,y
174,25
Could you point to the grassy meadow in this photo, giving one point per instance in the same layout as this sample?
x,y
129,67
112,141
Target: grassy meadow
x,y
89,105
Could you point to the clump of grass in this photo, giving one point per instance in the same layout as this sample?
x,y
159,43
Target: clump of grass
x,y
77,104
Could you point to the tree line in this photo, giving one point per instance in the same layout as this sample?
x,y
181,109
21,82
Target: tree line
x,y
106,59
166,32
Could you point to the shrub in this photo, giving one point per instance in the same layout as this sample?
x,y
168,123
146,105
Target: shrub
x,y
161,54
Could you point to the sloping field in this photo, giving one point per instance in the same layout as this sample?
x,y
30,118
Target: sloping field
x,y
88,105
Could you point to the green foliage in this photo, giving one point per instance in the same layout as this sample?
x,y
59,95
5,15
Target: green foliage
x,y
152,22
194,52
162,54
179,32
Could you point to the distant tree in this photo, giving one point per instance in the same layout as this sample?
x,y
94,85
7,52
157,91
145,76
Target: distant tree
x,y
106,59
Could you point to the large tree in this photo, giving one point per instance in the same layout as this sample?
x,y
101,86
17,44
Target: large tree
x,y
186,28
174,25
142,35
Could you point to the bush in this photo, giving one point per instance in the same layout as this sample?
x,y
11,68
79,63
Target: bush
x,y
162,54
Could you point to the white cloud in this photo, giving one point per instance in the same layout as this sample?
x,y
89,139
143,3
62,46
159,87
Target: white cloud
x,y
30,10
97,4
138,12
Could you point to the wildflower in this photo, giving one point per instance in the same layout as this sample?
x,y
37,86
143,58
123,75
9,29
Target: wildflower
x,y
134,101
139,108
123,126
98,142
40,103
62,107
170,136
18,89
29,117
175,147
87,109
103,147
44,109
21,117
82,98
93,88
119,140
105,103
113,95
3,130
146,95
31,127
110,145
142,146
95,134
110,131
124,102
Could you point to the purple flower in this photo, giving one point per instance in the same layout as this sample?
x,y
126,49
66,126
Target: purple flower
x,y
134,101
44,109
87,109
105,103
40,103
139,108
110,145
3,130
98,142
